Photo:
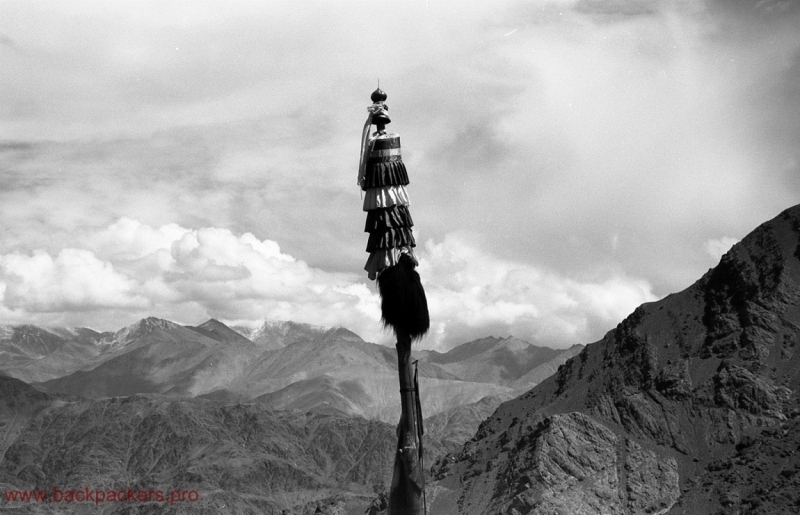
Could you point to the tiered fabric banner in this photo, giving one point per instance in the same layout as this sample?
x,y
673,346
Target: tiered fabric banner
x,y
386,203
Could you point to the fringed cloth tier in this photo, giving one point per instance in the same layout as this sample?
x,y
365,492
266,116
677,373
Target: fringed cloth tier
x,y
388,218
387,173
385,196
384,258
391,238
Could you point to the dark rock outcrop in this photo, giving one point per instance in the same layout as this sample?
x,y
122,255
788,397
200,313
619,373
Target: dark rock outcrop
x,y
568,464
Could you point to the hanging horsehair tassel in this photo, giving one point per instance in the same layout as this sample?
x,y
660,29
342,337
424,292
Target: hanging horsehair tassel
x,y
404,306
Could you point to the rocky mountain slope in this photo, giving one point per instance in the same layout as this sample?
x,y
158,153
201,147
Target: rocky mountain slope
x,y
540,372
238,458
453,427
32,353
689,406
158,357
505,361
246,458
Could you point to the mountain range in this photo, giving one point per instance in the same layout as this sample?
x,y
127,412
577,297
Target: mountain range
x,y
308,411
284,365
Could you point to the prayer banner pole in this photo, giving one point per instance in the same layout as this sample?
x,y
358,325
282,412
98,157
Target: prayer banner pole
x,y
383,178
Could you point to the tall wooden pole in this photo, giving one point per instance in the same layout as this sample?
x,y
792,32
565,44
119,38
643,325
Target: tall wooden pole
x,y
408,480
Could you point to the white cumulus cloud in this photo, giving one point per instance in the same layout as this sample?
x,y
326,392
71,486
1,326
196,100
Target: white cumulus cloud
x,y
75,279
129,270
470,291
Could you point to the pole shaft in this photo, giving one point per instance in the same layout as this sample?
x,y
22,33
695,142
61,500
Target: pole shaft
x,y
408,481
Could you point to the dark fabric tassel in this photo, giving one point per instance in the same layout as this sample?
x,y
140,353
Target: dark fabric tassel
x,y
392,172
391,238
404,306
388,218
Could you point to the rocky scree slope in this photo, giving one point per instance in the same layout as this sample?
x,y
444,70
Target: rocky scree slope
x,y
689,406
245,457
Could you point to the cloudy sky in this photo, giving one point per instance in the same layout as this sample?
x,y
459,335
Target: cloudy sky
x,y
569,160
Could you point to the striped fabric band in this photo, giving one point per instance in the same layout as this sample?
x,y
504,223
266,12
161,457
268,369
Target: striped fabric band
x,y
383,153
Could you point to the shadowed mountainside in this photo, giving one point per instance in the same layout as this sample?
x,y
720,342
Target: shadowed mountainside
x,y
689,406
243,458
240,458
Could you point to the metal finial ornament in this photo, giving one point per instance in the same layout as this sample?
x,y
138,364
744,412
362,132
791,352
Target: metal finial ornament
x,y
378,95
383,178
